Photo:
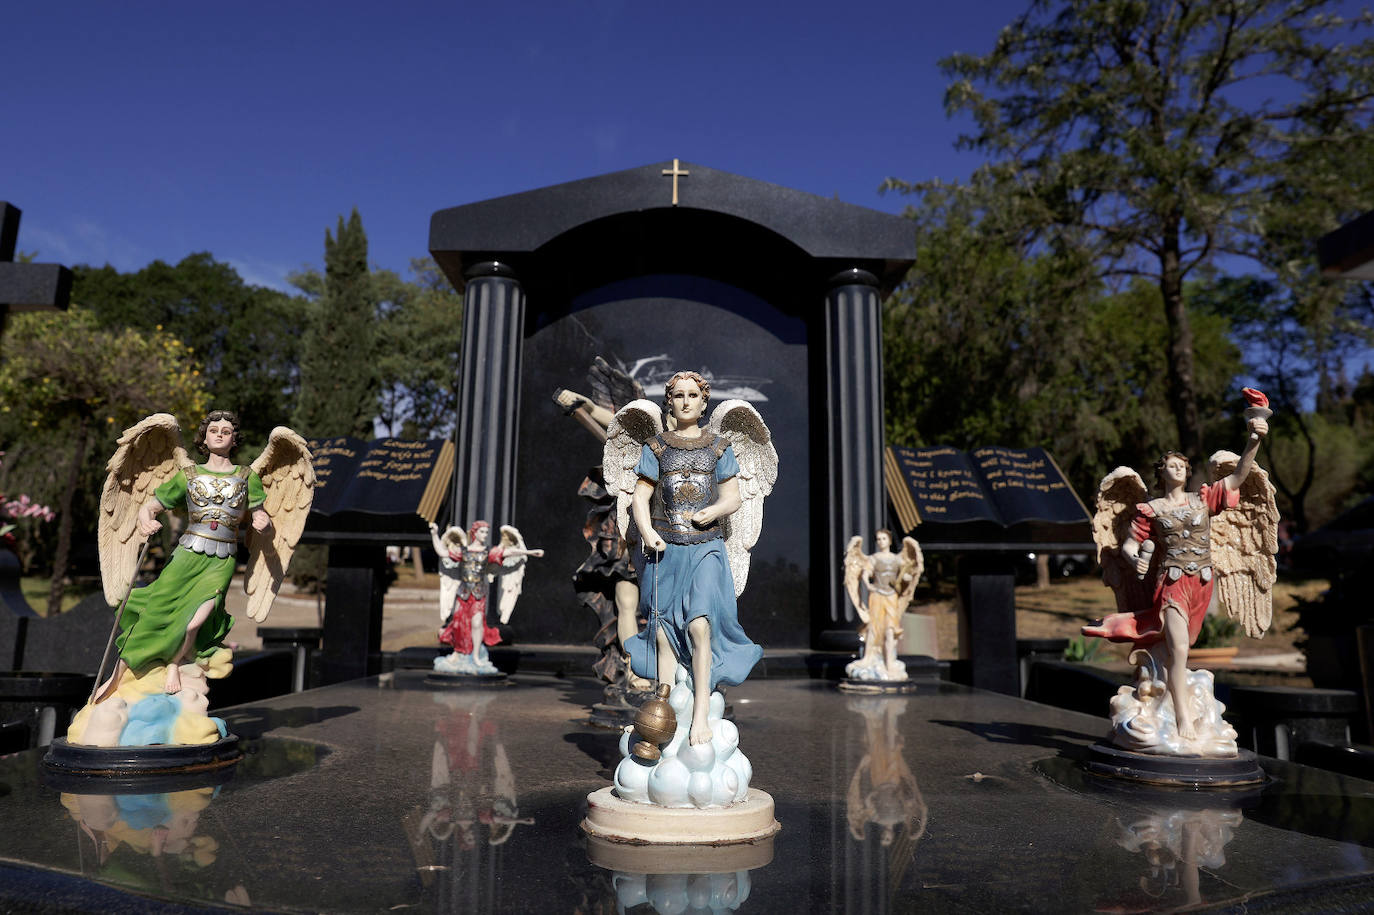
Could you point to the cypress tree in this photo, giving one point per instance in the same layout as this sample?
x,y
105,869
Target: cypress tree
x,y
339,384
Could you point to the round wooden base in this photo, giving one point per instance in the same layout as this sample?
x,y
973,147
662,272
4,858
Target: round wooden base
x,y
1242,770
610,818
678,859
879,687
469,681
139,763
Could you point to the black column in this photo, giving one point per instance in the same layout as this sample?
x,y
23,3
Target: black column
x,y
353,612
854,442
488,396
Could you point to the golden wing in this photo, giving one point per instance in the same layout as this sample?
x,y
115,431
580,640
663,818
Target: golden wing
x,y
1117,497
148,454
913,566
1245,542
288,479
855,564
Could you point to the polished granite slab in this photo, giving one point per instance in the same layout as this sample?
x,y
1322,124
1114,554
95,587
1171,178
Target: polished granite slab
x,y
389,795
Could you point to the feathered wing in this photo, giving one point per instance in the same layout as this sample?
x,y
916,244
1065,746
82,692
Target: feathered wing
x,y
1117,497
148,454
1245,542
633,425
512,573
611,387
855,565
913,566
288,479
448,585
752,442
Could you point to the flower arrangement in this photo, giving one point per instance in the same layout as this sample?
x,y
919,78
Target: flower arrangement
x,y
12,510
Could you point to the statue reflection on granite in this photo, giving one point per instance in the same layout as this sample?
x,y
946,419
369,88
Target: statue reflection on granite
x,y
606,582
883,801
152,843
890,581
1176,843
472,806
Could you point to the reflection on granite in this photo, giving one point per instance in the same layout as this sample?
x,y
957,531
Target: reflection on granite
x,y
1003,827
672,879
1176,844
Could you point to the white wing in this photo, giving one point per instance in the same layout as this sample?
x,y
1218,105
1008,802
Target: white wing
x,y
752,442
633,425
512,573
1245,540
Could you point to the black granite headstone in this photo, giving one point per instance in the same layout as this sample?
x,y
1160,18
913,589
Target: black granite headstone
x,y
27,287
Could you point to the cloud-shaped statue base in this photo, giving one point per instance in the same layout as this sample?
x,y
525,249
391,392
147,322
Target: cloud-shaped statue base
x,y
714,774
469,665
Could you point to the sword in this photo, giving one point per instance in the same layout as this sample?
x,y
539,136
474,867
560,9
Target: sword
x,y
119,615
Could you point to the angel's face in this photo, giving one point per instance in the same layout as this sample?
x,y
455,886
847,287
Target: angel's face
x,y
685,401
1176,470
479,537
219,436
882,541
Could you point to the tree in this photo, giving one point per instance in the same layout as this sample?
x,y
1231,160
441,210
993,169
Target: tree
x,y
245,337
338,374
419,344
1135,130
70,380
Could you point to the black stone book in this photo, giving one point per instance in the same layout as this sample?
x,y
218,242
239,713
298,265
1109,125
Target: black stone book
x,y
980,492
387,476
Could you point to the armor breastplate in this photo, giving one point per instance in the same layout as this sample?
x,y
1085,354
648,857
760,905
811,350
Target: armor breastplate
x,y
216,505
885,572
472,577
1184,533
686,484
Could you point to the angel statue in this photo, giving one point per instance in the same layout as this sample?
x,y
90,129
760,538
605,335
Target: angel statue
x,y
466,570
1165,558
171,633
890,580
691,501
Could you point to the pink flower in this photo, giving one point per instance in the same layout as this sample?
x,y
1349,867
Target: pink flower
x,y
1255,397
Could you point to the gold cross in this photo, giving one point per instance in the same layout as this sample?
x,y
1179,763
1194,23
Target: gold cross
x,y
675,172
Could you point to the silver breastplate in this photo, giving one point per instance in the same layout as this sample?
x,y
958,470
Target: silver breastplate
x,y
885,572
686,484
1184,532
472,575
216,506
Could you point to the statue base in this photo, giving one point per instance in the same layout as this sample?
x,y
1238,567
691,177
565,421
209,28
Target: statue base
x,y
1241,770
624,857
469,681
616,820
144,762
878,687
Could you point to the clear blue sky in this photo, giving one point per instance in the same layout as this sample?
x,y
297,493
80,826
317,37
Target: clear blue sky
x,y
140,131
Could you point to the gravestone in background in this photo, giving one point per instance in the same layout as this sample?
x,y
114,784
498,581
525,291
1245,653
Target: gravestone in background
x,y
771,292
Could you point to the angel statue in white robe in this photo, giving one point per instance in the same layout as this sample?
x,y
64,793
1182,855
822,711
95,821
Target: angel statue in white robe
x,y
1168,559
690,504
466,570
171,632
890,580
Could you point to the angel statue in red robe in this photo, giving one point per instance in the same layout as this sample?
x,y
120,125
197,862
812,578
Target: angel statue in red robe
x,y
171,633
1169,559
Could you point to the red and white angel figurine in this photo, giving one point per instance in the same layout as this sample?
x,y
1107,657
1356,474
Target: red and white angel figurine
x,y
1167,559
466,570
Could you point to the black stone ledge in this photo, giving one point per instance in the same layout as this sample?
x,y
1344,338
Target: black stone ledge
x,y
34,287
828,230
1349,251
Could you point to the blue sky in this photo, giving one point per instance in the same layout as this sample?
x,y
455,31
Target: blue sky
x,y
141,131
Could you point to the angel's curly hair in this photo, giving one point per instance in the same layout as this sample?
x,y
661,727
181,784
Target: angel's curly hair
x,y
687,376
1164,459
214,416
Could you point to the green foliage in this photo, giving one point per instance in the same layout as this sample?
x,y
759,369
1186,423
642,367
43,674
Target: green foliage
x,y
338,374
1218,631
245,337
419,343
1082,649
67,383
1127,129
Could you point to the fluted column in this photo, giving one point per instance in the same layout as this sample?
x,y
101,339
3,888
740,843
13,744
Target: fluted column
x,y
854,401
488,396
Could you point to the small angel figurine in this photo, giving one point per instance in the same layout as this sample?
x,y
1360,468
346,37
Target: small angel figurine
x,y
890,580
171,632
696,496
466,570
1164,557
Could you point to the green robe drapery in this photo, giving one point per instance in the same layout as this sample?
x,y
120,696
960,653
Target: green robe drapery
x,y
153,625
